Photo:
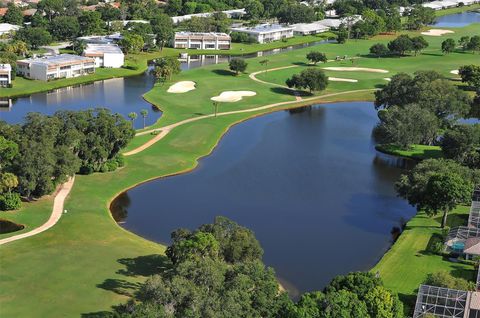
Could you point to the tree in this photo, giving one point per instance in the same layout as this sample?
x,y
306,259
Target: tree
x,y
379,49
64,28
460,144
313,79
295,13
34,36
8,151
400,45
132,117
342,35
132,43
215,107
420,16
90,22
315,57
254,9
162,27
372,23
405,126
470,74
166,67
174,7
8,181
464,41
264,63
393,22
144,114
237,65
474,44
418,44
436,185
14,14
79,46
448,46
17,47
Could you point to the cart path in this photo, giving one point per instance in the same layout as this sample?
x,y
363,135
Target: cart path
x,y
57,211
163,131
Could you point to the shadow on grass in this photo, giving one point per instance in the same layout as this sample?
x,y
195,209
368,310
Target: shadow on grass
x,y
434,239
301,63
408,303
432,54
453,220
223,72
461,272
143,265
99,314
120,286
290,92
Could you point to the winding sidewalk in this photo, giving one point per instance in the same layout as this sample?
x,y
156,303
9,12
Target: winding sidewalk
x,y
54,217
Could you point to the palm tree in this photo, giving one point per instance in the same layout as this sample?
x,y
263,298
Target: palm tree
x,y
144,114
215,107
132,117
265,64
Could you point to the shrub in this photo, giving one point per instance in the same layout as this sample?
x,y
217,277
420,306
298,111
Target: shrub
x,y
10,201
86,169
120,159
445,279
111,165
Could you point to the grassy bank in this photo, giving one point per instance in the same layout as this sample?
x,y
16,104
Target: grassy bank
x,y
406,265
417,152
87,263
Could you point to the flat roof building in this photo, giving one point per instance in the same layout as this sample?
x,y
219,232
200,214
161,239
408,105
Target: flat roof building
x,y
57,66
235,13
7,28
202,41
309,28
265,33
101,39
5,75
105,55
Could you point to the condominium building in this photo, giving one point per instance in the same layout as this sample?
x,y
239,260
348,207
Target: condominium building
x,y
265,33
202,41
105,55
5,75
58,66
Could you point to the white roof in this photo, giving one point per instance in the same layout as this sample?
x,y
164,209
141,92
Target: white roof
x,y
7,27
102,49
264,28
5,67
440,4
309,27
186,17
56,59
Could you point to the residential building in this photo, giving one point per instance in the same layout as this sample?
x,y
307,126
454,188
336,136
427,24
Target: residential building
x,y
309,28
105,55
5,75
202,41
235,13
57,66
265,33
101,39
7,28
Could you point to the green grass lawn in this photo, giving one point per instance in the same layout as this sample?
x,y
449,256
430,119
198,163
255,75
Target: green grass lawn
x,y
417,152
406,265
87,263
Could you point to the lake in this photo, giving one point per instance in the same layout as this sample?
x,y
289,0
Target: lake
x,y
308,182
458,20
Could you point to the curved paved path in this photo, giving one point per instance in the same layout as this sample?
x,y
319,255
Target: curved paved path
x,y
54,217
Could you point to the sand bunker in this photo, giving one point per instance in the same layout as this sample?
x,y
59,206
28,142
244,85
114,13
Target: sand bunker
x,y
338,79
355,69
454,72
437,32
232,96
182,87
388,79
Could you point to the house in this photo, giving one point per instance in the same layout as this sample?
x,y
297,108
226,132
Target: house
x,y
309,28
7,28
5,75
57,66
265,33
101,39
235,13
202,41
105,55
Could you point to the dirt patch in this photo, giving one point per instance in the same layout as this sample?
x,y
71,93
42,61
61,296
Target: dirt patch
x,y
338,79
355,69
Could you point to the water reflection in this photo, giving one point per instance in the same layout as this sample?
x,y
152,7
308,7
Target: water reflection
x,y
309,184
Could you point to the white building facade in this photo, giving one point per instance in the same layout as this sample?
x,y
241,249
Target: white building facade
x,y
54,67
265,33
202,41
5,75
105,55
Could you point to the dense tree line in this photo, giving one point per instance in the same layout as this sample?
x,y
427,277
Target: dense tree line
x,y
217,271
45,150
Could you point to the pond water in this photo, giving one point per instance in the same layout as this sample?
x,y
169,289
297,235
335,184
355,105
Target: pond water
x,y
458,20
308,182
120,95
